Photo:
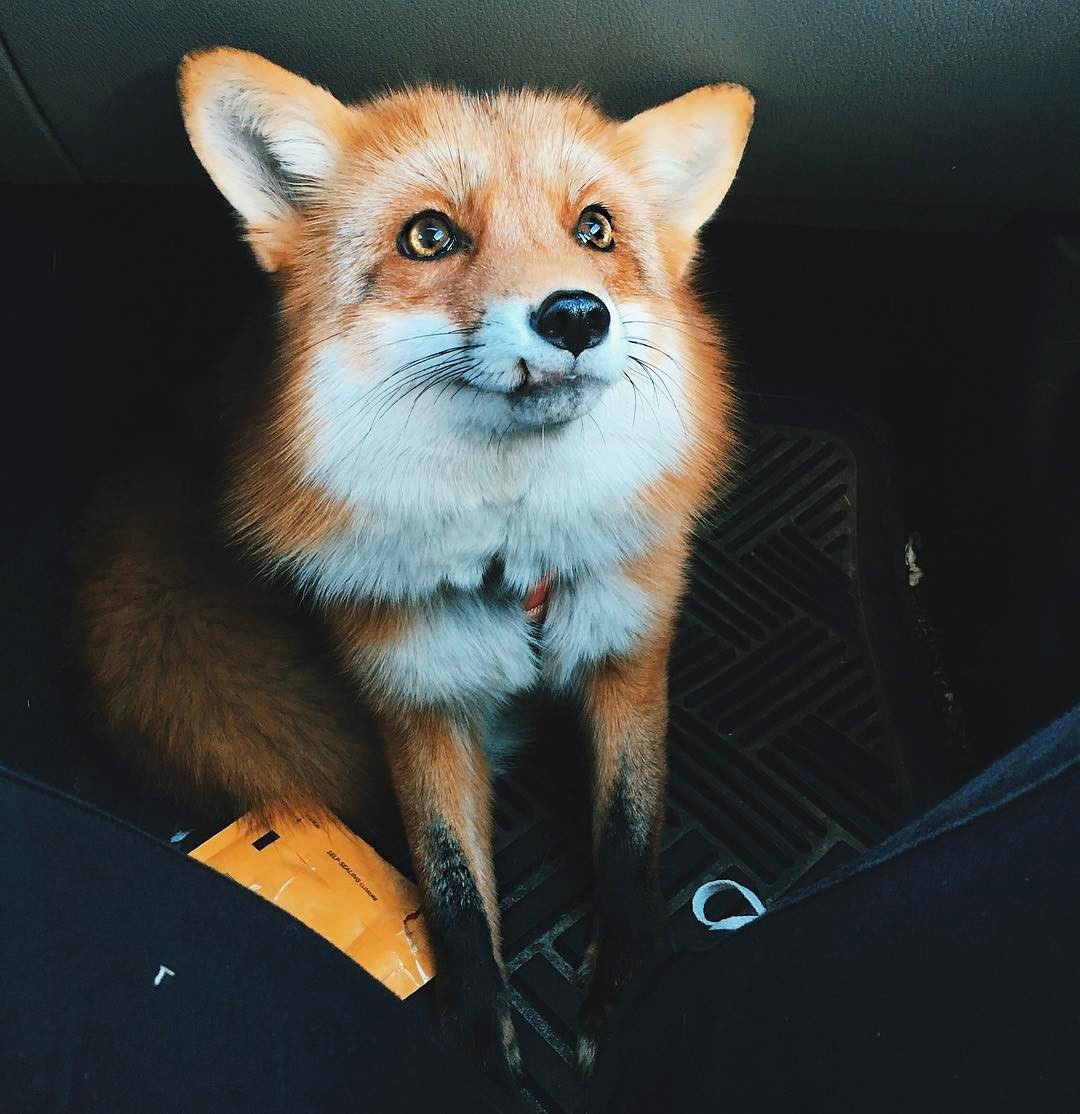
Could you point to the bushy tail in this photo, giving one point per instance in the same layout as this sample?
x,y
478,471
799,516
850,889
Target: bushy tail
x,y
210,684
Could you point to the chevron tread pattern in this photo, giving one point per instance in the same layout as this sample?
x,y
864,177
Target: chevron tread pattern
x,y
783,761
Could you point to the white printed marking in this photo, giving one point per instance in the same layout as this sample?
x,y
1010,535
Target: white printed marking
x,y
162,972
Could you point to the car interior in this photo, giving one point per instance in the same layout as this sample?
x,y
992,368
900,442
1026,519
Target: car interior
x,y
883,601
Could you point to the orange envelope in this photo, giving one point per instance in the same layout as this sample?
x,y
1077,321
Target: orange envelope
x,y
338,885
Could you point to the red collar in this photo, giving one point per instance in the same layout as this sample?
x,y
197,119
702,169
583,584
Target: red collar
x,y
537,599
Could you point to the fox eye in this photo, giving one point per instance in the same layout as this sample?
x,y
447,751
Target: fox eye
x,y
594,229
427,236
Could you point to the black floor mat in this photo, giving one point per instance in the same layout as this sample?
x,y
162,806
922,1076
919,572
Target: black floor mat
x,y
786,757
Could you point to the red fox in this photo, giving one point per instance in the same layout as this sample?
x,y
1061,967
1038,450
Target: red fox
x,y
472,470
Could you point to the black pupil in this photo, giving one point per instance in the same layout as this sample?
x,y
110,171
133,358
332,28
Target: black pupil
x,y
431,235
594,228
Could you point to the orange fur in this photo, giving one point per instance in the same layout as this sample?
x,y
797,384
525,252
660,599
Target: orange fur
x,y
625,700
205,667
209,685
440,773
573,155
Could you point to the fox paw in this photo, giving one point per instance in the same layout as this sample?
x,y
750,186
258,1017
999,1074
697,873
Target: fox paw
x,y
610,967
484,1032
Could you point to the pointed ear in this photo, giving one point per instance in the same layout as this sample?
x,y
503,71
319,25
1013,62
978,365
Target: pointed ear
x,y
688,151
266,137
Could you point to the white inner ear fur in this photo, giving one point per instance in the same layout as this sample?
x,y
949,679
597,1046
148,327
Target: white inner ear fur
x,y
263,150
690,148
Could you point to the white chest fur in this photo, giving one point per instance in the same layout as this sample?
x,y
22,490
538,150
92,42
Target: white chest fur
x,y
434,503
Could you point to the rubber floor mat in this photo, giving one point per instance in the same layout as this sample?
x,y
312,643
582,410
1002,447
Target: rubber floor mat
x,y
785,755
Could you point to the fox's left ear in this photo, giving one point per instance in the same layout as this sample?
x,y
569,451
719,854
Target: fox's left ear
x,y
689,149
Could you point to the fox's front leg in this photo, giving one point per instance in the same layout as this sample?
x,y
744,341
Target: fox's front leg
x,y
441,778
625,706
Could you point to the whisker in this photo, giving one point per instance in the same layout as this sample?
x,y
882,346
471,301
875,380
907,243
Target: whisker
x,y
649,374
672,322
678,365
423,379
460,387
502,437
421,336
592,418
444,377
665,375
372,400
318,342
431,356
420,370
655,348
459,379
705,333
655,376
385,395
637,395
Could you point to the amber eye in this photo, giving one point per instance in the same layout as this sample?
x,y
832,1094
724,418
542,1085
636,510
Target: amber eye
x,y
594,229
428,235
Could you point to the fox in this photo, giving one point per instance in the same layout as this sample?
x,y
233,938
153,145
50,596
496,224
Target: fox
x,y
468,469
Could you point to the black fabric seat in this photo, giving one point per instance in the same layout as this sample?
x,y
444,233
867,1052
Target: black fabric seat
x,y
136,980
939,973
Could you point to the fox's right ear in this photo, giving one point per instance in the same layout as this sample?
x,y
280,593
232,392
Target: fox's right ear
x,y
265,136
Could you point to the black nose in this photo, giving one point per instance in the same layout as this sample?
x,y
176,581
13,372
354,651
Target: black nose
x,y
572,319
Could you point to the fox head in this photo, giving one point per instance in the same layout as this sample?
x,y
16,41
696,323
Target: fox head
x,y
493,265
